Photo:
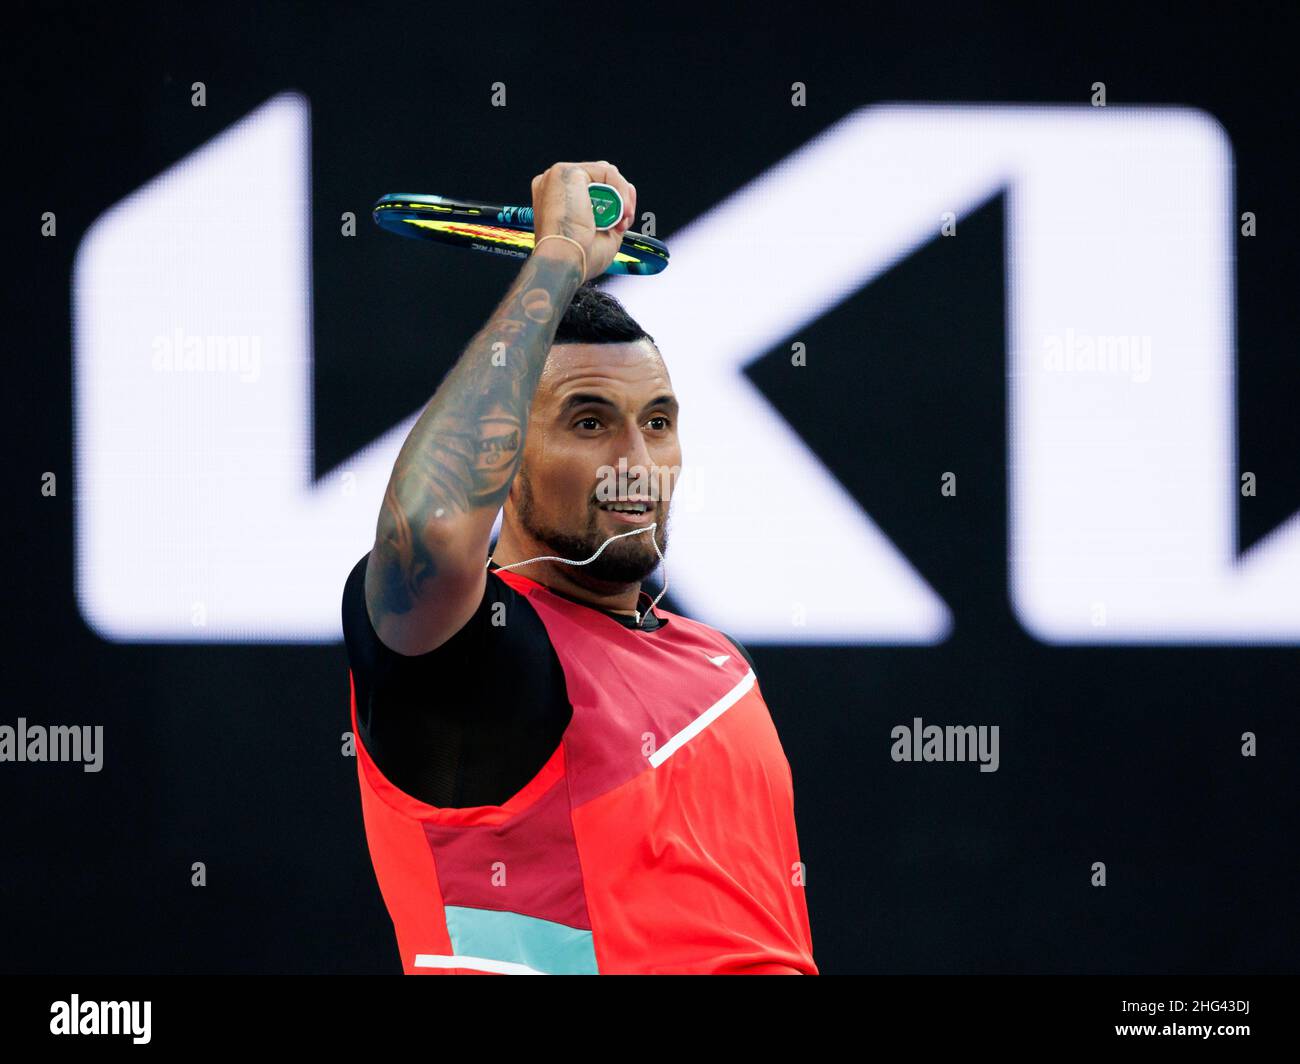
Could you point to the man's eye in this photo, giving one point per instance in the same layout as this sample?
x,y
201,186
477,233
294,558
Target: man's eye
x,y
595,421
660,417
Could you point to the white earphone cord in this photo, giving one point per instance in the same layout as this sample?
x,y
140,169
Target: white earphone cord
x,y
636,531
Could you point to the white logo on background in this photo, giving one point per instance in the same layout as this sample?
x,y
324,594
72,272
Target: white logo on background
x,y
197,518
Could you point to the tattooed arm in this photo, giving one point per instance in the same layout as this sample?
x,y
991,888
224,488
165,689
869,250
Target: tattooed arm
x,y
425,576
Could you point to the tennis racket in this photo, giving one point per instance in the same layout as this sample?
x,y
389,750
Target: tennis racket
x,y
503,230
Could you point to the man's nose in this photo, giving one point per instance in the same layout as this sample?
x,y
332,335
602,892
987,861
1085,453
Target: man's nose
x,y
635,449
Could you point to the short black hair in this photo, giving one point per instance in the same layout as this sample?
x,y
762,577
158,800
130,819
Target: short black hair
x,y
596,317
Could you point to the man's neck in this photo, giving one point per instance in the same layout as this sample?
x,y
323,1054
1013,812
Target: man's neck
x,y
568,579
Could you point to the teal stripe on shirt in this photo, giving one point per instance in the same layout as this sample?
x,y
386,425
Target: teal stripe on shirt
x,y
545,945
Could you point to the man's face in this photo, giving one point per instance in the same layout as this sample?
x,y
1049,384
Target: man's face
x,y
596,404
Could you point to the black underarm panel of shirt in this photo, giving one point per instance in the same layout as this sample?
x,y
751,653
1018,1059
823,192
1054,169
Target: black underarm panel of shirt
x,y
471,722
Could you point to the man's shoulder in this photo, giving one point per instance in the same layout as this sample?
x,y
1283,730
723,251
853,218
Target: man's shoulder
x,y
358,632
692,622
355,585
365,647
727,636
744,653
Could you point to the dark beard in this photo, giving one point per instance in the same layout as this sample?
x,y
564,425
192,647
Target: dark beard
x,y
628,560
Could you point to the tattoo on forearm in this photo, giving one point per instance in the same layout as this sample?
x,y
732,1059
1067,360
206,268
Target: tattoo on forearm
x,y
465,448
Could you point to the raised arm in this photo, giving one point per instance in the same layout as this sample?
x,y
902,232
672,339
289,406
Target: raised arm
x,y
426,571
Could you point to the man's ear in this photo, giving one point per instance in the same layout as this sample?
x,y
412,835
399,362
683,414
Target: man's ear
x,y
511,504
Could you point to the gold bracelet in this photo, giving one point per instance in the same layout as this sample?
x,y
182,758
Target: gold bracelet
x,y
557,236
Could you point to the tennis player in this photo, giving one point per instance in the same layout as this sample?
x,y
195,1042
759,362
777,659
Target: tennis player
x,y
557,776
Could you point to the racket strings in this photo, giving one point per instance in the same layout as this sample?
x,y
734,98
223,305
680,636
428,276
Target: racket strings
x,y
587,561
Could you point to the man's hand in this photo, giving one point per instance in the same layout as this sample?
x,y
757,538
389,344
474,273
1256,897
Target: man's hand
x,y
562,207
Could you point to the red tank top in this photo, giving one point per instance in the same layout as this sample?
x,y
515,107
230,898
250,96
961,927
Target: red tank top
x,y
658,838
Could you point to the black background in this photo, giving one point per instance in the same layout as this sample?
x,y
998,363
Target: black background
x,y
230,754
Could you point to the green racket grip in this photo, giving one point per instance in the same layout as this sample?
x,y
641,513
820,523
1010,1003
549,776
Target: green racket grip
x,y
606,204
